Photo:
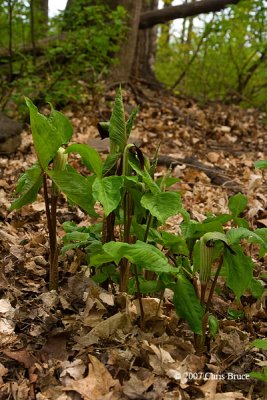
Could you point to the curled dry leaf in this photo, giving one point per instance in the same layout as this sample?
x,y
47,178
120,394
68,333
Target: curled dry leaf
x,y
98,384
106,329
72,371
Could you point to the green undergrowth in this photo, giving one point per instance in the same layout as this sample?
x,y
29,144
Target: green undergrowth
x,y
130,245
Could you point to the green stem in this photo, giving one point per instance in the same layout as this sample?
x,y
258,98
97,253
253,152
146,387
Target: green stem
x,y
149,221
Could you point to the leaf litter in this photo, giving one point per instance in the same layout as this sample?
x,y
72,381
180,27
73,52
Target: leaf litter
x,y
87,343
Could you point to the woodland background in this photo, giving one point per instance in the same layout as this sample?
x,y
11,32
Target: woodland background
x,y
215,56
197,71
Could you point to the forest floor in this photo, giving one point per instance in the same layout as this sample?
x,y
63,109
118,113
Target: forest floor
x,y
86,343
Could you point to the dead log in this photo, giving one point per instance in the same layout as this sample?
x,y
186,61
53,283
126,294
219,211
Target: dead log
x,y
151,18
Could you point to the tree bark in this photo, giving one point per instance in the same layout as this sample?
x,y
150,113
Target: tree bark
x,y
145,48
122,71
152,18
40,11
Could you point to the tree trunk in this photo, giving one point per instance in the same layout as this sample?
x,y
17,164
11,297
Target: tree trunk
x,y
40,18
190,29
165,30
122,71
145,48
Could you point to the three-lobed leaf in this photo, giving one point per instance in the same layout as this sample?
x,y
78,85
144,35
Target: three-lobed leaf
x,y
141,254
107,192
162,205
48,133
77,188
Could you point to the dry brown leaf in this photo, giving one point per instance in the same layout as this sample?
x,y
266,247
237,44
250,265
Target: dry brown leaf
x,y
136,387
55,348
72,370
151,308
209,389
3,372
230,396
22,356
98,385
106,329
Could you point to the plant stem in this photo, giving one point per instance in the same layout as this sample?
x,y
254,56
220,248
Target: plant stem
x,y
47,206
149,221
149,275
51,225
124,274
139,295
214,284
53,282
201,339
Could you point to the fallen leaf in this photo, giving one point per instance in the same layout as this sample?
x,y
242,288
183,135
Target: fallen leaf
x,y
98,384
22,356
106,329
3,372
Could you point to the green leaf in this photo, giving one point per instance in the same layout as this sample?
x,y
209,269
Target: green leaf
x,y
117,126
213,325
237,204
169,181
262,233
147,287
256,288
177,244
107,192
260,344
235,314
235,235
194,230
162,205
261,164
241,222
77,188
239,269
48,133
153,187
187,304
90,157
28,186
139,231
110,162
259,375
62,125
142,254
76,236
130,122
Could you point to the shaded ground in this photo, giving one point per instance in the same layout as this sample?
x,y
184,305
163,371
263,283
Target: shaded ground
x,y
85,343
